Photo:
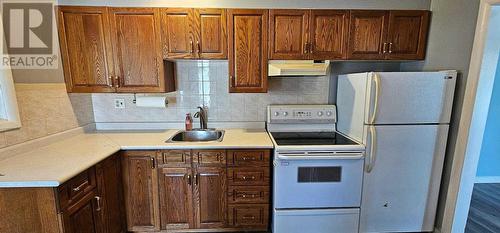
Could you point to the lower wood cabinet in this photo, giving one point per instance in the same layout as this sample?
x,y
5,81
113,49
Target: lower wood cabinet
x,y
90,202
196,191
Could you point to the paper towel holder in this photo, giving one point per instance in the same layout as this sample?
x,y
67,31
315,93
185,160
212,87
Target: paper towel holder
x,y
134,101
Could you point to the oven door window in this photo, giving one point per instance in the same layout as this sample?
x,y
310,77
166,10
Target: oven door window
x,y
319,174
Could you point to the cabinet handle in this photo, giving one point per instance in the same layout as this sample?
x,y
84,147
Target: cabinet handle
x,y
384,48
232,81
249,159
305,48
189,179
248,178
153,162
198,47
192,46
117,78
248,217
98,201
196,179
76,189
390,47
311,48
110,83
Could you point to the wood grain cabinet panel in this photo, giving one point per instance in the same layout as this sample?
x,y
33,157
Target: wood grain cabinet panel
x,y
178,33
209,157
176,198
368,35
141,190
248,157
85,48
407,35
288,34
210,195
247,42
174,158
328,34
83,216
137,49
249,216
211,42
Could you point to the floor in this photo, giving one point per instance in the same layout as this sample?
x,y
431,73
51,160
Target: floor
x,y
484,213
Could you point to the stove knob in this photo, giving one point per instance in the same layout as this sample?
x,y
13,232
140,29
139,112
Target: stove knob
x,y
320,113
276,113
285,113
328,113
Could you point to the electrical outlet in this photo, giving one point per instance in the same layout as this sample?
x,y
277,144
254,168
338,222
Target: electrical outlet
x,y
119,103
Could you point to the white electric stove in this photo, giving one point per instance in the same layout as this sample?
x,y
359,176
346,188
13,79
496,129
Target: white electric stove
x,y
318,172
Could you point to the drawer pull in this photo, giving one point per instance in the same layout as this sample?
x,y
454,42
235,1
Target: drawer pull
x,y
77,189
248,196
248,217
249,159
248,178
98,200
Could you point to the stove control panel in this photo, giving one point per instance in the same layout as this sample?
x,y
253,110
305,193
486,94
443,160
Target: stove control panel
x,y
302,113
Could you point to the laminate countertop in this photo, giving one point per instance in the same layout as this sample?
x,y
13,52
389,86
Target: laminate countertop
x,y
55,163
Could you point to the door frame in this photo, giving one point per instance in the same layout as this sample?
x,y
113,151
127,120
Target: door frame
x,y
472,123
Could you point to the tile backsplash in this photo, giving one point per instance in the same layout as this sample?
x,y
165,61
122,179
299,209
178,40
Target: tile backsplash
x,y
47,109
206,83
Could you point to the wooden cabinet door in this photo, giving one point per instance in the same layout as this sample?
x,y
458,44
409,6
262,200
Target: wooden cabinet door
x,y
83,216
141,190
210,196
328,34
86,49
288,34
247,41
176,198
110,190
137,49
407,34
211,39
367,34
178,33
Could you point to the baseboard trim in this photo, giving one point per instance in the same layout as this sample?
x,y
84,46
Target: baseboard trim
x,y
487,179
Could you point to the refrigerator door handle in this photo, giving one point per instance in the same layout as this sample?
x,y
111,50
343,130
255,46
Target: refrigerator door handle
x,y
373,155
376,79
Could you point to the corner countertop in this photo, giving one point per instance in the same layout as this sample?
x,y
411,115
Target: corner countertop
x,y
55,163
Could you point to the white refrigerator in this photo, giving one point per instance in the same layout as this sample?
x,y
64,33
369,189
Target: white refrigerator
x,y
403,119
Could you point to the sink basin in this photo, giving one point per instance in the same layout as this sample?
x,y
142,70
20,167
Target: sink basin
x,y
198,136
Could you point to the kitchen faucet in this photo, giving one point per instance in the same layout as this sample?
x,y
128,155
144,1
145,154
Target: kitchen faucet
x,y
202,114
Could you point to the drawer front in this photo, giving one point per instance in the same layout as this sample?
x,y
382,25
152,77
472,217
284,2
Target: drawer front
x,y
174,158
248,157
210,157
248,215
248,176
248,194
74,189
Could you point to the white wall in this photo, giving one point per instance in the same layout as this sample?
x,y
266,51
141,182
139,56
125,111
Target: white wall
x,y
340,4
449,47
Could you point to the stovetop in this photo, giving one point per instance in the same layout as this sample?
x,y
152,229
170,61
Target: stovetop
x,y
311,139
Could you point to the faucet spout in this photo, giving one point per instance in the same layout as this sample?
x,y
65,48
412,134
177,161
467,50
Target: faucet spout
x,y
202,114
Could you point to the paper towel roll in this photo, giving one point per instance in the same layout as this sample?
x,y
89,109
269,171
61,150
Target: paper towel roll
x,y
151,101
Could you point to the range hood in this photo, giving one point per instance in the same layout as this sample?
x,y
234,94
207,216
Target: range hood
x,y
297,68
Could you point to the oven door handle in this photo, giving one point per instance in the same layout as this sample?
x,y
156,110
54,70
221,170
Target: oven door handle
x,y
321,157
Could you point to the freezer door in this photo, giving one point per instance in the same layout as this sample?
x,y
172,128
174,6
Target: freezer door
x,y
402,177
409,97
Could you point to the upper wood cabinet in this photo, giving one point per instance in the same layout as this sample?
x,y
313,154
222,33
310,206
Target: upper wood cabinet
x,y
112,49
407,35
395,35
194,33
141,190
308,34
137,49
247,42
86,49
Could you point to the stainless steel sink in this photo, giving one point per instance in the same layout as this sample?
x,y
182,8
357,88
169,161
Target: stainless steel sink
x,y
198,135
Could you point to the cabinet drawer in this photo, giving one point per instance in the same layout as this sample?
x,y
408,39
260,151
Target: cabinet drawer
x,y
248,157
209,157
248,215
248,194
74,189
248,176
174,158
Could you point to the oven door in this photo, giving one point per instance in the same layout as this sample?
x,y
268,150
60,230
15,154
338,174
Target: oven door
x,y
317,179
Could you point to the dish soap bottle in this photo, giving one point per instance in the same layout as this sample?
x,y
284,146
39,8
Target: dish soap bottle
x,y
189,122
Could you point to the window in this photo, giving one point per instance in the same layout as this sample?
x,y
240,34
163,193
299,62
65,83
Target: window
x,y
9,113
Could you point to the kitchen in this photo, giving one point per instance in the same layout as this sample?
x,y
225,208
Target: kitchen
x,y
216,58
